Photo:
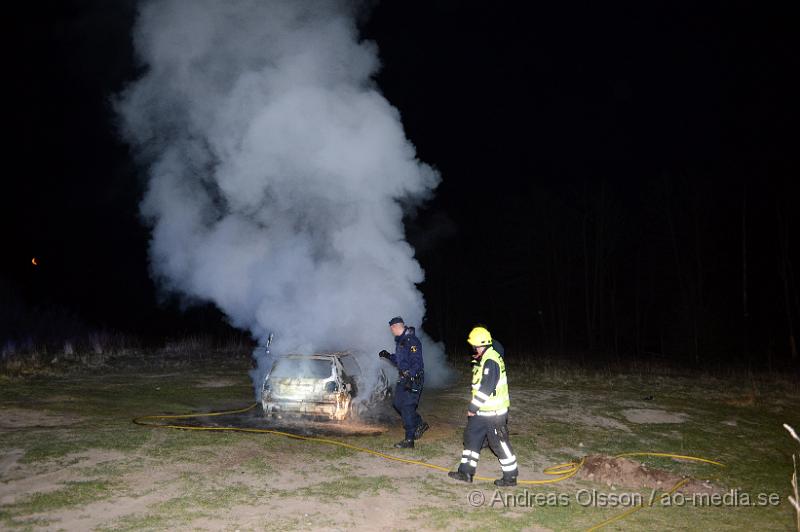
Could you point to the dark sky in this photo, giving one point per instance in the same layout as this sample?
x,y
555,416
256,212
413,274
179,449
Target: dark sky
x,y
543,119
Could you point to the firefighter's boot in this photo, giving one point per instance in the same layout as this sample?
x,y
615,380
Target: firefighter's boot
x,y
506,481
460,475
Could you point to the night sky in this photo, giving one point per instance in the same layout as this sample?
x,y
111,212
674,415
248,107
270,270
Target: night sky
x,y
617,179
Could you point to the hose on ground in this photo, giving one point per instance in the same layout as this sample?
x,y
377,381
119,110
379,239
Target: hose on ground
x,y
559,472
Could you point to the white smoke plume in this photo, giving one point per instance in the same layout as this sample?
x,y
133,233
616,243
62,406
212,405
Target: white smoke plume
x,y
276,171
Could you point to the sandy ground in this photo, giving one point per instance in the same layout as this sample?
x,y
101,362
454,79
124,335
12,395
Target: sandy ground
x,y
164,482
649,415
266,482
24,418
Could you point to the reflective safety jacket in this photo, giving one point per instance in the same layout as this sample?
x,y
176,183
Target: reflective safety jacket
x,y
489,385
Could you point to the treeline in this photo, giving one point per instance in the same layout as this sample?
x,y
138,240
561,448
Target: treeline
x,y
675,266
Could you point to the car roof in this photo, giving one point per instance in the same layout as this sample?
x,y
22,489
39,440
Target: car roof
x,y
316,356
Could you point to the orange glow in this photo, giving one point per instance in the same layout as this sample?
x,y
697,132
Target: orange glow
x,y
34,261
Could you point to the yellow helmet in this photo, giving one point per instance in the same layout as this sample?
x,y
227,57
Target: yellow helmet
x,y
479,336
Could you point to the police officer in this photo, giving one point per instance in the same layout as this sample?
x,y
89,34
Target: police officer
x,y
487,412
408,359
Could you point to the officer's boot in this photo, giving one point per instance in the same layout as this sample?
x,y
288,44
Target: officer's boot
x,y
404,444
506,480
460,475
420,430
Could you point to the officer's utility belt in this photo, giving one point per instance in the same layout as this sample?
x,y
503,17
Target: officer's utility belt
x,y
493,412
412,382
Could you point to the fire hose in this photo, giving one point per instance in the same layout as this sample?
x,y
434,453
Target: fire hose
x,y
561,472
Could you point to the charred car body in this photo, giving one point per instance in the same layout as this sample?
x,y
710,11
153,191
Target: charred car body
x,y
330,386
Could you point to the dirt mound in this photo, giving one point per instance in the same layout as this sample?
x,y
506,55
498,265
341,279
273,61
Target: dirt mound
x,y
628,473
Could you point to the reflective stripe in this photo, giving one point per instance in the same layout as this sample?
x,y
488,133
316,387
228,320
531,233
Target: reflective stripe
x,y
464,460
465,452
506,461
505,448
477,402
492,412
475,455
498,399
507,468
473,463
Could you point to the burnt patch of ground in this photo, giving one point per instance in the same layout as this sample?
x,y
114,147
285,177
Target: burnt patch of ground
x,y
254,419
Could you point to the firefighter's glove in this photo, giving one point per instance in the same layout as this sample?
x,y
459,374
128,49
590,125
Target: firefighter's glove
x,y
384,354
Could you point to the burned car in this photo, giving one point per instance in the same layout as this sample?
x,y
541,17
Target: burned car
x,y
329,386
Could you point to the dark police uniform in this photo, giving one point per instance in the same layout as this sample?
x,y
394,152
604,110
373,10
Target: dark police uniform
x,y
408,359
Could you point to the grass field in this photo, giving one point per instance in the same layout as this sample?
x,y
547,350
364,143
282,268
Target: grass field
x,y
70,458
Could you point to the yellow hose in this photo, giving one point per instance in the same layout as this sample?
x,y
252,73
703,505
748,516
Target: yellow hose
x,y
634,509
674,488
678,456
560,472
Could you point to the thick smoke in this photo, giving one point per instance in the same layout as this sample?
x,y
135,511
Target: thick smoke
x,y
276,172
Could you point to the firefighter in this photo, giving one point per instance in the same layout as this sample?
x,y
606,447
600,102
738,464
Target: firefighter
x,y
408,359
487,414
